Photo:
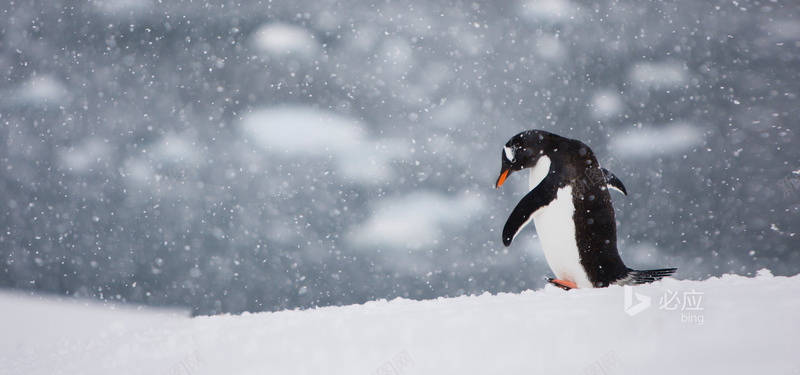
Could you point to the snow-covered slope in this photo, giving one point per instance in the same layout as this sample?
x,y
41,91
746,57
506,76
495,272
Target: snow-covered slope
x,y
729,325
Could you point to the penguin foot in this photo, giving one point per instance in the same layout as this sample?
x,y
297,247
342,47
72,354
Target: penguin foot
x,y
566,285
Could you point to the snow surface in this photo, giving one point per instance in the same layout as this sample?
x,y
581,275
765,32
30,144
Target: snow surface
x,y
728,325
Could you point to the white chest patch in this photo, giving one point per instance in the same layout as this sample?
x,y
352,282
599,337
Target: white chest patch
x,y
539,172
556,231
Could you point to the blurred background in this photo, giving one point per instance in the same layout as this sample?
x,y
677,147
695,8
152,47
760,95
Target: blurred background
x,y
239,156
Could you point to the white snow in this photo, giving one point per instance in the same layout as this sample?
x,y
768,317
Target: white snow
x,y
302,130
175,146
47,319
39,91
280,39
605,104
174,158
659,76
550,48
396,56
547,10
362,38
297,132
783,31
727,325
122,8
655,141
86,156
137,171
455,113
415,221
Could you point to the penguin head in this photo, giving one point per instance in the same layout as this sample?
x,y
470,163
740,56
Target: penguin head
x,y
523,151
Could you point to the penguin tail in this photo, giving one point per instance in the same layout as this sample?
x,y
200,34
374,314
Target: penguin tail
x,y
647,276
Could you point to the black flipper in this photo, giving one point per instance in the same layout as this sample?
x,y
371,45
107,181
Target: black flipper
x,y
614,182
537,198
648,276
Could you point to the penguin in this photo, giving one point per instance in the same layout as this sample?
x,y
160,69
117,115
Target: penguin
x,y
570,205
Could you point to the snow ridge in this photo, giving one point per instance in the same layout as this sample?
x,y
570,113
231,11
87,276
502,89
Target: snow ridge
x,y
727,325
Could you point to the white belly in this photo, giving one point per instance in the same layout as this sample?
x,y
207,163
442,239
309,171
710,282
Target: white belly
x,y
556,231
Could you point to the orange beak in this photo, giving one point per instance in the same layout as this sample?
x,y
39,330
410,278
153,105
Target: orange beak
x,y
501,179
